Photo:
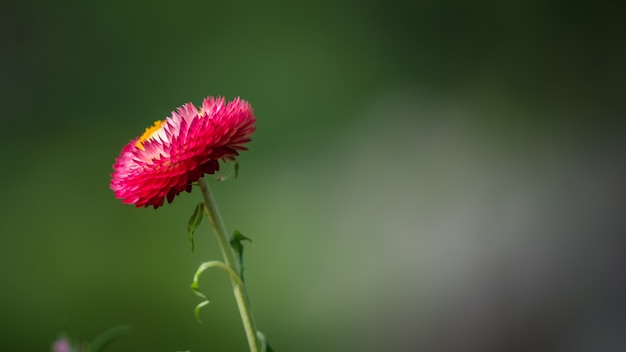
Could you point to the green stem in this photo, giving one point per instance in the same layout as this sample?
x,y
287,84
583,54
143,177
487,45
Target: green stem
x,y
230,260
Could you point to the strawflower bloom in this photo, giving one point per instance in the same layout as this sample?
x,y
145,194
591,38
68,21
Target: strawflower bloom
x,y
174,153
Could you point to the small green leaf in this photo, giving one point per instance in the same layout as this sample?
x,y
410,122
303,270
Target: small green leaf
x,y
236,169
236,244
265,345
195,284
194,222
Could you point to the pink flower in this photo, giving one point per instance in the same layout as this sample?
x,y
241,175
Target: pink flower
x,y
62,345
175,152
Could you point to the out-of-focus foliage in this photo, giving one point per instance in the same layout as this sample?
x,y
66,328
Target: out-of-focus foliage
x,y
425,175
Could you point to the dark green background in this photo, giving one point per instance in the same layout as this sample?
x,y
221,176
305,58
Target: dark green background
x,y
420,169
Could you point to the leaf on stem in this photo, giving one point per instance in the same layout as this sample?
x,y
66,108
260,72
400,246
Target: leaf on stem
x,y
195,285
236,244
194,222
265,345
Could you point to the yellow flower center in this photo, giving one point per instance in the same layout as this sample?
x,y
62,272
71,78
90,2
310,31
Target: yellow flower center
x,y
148,133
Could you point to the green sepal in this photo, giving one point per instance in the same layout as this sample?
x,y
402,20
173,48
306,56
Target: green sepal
x,y
227,171
236,244
192,225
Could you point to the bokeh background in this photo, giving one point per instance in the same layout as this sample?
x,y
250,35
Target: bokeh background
x,y
425,176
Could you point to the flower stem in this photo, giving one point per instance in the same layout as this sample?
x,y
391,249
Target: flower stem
x,y
231,260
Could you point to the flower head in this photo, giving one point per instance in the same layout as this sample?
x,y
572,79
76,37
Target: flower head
x,y
177,151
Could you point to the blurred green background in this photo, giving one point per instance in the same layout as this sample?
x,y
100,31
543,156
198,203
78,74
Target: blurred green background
x,y
426,175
